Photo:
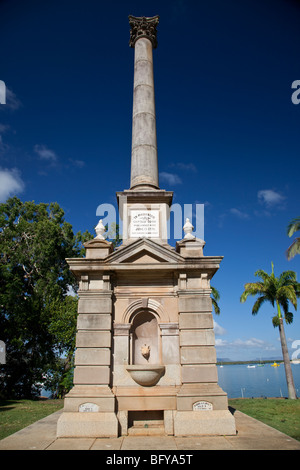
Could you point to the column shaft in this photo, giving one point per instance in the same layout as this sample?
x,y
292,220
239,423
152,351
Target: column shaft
x,y
144,166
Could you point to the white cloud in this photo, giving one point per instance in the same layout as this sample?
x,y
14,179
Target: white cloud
x,y
12,102
10,183
45,153
184,166
251,343
219,330
77,163
221,342
170,178
239,214
8,98
3,128
269,197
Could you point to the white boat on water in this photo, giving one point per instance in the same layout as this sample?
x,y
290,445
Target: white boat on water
x,y
250,367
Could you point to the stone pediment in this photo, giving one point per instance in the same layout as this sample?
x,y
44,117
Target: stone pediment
x,y
145,251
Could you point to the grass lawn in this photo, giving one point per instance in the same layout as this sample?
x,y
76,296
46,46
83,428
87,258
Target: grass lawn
x,y
17,414
281,414
278,413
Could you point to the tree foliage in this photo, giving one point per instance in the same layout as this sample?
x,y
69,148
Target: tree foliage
x,y
279,291
35,280
113,234
276,290
294,248
215,297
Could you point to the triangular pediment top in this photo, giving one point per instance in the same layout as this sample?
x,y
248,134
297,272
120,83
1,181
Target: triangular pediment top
x,y
145,250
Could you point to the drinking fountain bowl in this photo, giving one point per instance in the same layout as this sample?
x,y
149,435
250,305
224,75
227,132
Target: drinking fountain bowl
x,y
146,374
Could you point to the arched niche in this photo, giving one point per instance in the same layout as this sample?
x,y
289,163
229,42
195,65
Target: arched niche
x,y
145,338
145,303
145,322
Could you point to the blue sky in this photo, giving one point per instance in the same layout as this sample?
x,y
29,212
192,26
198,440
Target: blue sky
x,y
227,130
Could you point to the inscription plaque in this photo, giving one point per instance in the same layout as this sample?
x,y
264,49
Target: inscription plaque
x,y
202,405
88,408
144,223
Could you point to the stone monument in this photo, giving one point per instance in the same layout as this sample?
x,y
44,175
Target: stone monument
x,y
145,360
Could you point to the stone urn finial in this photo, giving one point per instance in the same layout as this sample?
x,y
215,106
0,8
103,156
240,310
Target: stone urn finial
x,y
188,228
100,229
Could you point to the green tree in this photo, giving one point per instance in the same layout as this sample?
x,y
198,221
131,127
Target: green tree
x,y
62,326
35,241
215,297
113,234
279,291
294,248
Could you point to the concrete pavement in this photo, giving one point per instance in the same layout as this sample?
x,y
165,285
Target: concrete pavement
x,y
251,435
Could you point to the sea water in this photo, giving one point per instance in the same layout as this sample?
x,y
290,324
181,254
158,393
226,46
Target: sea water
x,y
237,380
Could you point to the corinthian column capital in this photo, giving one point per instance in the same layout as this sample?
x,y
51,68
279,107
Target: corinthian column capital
x,y
142,27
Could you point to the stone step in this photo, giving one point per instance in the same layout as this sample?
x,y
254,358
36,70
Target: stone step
x,y
147,423
147,430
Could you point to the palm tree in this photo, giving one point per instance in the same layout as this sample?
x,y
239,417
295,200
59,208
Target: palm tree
x,y
294,248
280,291
215,297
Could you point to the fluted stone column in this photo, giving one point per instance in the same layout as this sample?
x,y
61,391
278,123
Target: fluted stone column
x,y
144,167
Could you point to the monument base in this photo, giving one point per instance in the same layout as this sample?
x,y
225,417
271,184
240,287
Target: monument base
x,y
75,424
199,423
88,412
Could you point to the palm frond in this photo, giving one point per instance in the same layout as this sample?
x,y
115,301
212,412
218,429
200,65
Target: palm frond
x,y
215,293
251,288
258,303
286,293
282,290
297,289
216,306
255,286
284,303
286,277
261,273
244,296
290,275
293,249
288,316
293,226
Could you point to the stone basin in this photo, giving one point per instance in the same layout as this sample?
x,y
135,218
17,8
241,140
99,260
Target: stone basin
x,y
146,374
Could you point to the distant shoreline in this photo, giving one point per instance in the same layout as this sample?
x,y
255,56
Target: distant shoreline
x,y
267,361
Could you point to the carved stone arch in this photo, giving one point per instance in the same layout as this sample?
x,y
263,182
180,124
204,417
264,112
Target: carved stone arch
x,y
145,303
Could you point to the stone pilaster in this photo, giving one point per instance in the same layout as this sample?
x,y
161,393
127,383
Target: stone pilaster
x,y
197,339
89,408
201,404
122,344
93,341
169,343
